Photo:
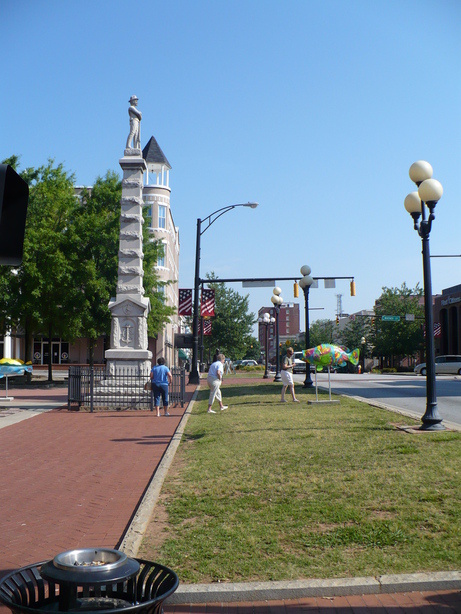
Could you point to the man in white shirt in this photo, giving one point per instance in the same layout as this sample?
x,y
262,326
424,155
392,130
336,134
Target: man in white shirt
x,y
214,380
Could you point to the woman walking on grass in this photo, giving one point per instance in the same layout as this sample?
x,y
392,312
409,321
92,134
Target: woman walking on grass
x,y
214,380
287,377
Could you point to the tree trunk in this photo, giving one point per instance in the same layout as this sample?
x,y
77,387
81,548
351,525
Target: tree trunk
x,y
91,351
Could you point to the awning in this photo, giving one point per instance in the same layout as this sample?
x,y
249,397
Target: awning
x,y
182,354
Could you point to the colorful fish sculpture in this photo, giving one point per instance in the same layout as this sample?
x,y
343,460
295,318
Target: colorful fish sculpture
x,y
10,367
326,355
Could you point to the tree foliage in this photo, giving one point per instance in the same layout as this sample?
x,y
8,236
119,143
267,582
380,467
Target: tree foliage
x,y
402,338
37,290
322,331
69,269
355,331
232,324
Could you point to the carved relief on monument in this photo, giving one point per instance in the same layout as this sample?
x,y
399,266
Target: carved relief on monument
x,y
132,183
115,333
142,340
127,333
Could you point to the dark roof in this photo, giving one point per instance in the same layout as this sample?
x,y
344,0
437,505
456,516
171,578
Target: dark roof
x,y
152,153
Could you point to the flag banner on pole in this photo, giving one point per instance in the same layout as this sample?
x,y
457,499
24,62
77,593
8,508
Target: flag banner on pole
x,y
185,303
437,329
206,327
207,305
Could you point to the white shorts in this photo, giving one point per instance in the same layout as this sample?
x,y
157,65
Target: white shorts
x,y
287,378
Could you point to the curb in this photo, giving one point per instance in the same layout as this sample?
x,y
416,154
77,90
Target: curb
x,y
133,536
397,410
298,589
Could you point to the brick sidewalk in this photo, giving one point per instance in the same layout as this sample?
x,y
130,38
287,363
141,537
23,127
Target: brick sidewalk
x,y
74,479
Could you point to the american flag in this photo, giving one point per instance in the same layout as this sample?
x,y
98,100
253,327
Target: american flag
x,y
437,329
207,306
206,326
185,303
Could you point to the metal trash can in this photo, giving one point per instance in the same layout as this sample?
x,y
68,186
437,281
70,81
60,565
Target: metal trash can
x,y
89,580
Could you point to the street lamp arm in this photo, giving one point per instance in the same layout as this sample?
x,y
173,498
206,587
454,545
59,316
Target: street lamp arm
x,y
211,220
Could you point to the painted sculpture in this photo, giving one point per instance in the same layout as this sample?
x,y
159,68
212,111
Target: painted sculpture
x,y
327,355
10,367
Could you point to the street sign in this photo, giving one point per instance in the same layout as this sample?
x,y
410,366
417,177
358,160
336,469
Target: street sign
x,y
410,317
259,283
390,318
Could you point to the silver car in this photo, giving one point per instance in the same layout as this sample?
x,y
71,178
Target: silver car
x,y
443,364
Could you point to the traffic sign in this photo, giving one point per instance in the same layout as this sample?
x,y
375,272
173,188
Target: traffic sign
x,y
390,318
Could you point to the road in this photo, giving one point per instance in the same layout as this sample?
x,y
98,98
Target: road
x,y
404,392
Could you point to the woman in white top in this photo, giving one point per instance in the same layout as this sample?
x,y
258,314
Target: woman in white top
x,y
214,379
287,378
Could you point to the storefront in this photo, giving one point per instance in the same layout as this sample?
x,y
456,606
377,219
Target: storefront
x,y
447,315
59,351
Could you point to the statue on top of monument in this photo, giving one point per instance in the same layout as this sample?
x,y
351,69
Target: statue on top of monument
x,y
135,124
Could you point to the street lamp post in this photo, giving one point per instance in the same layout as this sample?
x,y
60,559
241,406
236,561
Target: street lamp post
x,y
305,283
266,321
429,193
363,343
277,301
194,376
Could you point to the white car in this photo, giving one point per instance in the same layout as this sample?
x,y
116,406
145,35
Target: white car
x,y
299,365
443,364
249,363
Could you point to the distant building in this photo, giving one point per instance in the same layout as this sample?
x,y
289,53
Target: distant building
x,y
288,326
156,196
447,321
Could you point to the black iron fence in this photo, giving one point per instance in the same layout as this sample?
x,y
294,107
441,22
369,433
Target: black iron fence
x,y
95,388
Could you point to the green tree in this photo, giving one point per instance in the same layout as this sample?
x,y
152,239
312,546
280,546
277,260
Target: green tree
x,y
94,234
355,330
36,291
232,324
322,331
395,340
253,351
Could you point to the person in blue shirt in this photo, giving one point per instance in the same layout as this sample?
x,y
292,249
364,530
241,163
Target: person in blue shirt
x,y
161,378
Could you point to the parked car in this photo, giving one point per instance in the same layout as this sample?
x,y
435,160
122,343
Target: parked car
x,y
299,366
249,363
443,364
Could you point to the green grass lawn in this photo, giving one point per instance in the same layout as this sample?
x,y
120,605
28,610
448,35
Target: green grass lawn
x,y
265,491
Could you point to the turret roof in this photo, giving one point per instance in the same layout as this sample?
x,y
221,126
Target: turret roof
x,y
153,154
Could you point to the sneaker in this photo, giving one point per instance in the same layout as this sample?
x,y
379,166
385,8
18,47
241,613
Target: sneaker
x,y
211,411
167,414
296,401
224,407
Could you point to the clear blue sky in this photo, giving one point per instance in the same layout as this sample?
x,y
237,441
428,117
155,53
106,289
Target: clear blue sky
x,y
315,109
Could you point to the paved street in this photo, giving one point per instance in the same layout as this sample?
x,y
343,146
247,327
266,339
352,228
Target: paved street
x,y
405,392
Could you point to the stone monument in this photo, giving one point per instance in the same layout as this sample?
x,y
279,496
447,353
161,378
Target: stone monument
x,y
129,308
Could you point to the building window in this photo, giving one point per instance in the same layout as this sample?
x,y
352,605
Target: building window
x,y
161,216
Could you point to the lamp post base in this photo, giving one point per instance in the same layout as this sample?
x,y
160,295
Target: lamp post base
x,y
432,427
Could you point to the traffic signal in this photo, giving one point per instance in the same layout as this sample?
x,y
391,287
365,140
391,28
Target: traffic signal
x,y
295,290
352,288
14,198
